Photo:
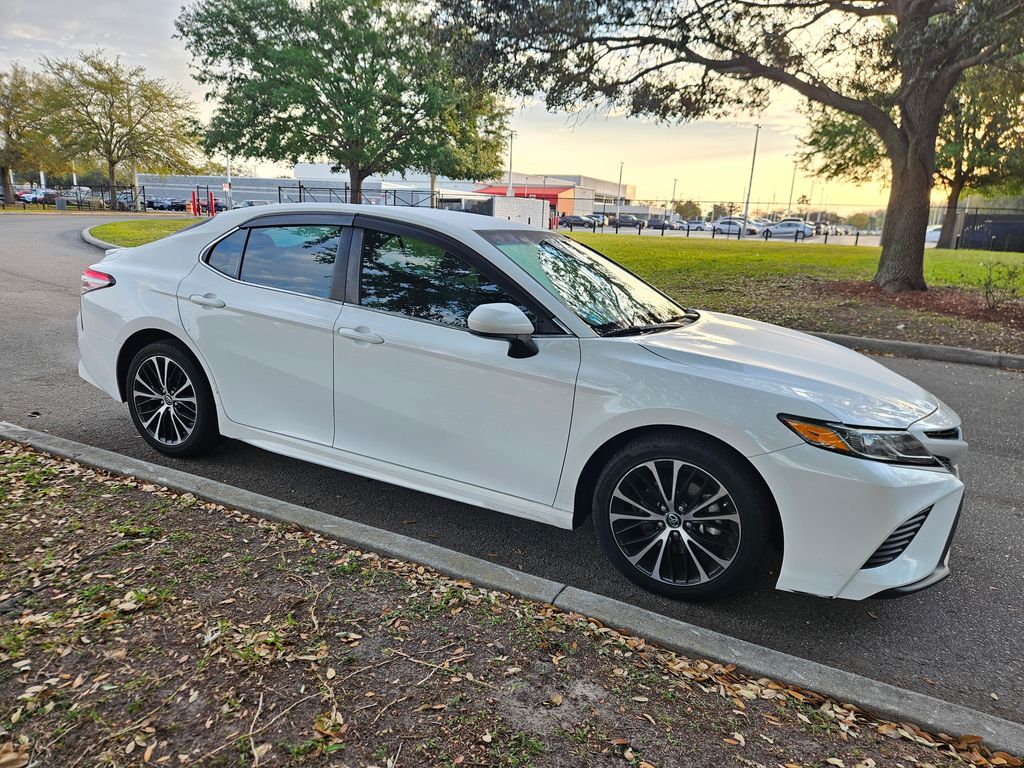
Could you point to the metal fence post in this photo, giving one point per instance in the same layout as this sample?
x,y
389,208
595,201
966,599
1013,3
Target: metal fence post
x,y
639,228
826,237
714,231
956,245
856,237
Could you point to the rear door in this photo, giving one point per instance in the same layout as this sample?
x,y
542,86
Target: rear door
x,y
259,306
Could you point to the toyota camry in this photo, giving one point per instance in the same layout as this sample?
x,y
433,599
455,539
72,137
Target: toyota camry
x,y
515,369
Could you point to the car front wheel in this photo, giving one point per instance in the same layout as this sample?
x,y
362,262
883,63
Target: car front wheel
x,y
682,516
170,401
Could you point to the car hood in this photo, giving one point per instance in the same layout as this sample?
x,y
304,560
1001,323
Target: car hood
x,y
853,388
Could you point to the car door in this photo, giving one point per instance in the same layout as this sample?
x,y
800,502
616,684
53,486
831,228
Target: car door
x,y
414,387
259,307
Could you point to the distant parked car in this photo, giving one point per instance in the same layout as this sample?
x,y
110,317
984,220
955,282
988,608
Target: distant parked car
x,y
731,225
599,218
40,195
657,222
629,221
791,228
575,221
695,225
161,203
249,203
931,235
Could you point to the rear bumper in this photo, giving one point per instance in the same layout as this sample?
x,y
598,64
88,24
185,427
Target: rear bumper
x,y
837,511
97,360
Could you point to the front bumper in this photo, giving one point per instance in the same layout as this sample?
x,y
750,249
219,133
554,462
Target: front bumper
x,y
837,511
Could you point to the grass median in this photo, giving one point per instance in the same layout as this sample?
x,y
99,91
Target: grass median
x,y
811,287
140,625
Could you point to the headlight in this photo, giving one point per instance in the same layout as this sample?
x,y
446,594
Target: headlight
x,y
892,445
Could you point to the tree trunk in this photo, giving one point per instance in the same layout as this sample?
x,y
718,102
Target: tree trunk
x,y
111,167
8,188
949,223
901,267
355,180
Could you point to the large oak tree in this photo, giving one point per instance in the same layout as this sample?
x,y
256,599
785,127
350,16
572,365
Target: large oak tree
x,y
101,109
683,59
980,142
21,112
362,84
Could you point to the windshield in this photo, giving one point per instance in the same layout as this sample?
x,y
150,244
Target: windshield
x,y
604,295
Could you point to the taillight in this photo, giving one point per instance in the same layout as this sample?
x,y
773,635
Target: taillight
x,y
93,280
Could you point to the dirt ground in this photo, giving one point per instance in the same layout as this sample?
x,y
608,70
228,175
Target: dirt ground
x,y
143,627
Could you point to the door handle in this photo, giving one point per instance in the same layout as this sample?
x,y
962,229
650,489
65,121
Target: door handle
x,y
361,333
209,300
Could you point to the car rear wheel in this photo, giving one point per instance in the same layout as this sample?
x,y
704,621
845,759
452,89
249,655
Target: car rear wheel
x,y
170,401
682,516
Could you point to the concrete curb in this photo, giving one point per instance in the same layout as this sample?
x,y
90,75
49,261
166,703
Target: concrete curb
x,y
928,351
936,352
888,701
95,241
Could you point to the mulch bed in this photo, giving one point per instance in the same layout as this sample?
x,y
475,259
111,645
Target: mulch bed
x,y
955,302
144,627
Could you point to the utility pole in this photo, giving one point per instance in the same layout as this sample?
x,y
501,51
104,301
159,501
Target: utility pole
x,y
792,184
672,204
227,191
618,199
746,205
511,137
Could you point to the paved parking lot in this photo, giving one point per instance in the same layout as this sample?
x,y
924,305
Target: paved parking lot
x,y
961,640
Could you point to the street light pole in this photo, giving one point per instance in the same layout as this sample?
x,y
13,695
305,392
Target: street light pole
x,y
618,199
792,184
672,202
228,190
746,205
511,137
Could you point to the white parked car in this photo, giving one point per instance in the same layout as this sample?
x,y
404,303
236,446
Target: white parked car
x,y
791,229
731,226
931,234
513,368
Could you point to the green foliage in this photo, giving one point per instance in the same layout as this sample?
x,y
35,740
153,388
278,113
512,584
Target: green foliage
x,y
99,109
980,141
688,210
21,142
360,83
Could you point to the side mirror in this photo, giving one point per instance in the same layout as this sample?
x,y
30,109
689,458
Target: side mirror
x,y
505,321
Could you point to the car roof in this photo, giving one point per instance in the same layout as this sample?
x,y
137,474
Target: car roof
x,y
429,217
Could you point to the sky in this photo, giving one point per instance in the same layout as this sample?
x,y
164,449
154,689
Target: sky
x,y
710,159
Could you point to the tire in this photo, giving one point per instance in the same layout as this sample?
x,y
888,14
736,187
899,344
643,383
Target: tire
x,y
170,400
716,533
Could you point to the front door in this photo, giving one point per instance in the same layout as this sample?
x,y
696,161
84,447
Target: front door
x,y
415,388
258,307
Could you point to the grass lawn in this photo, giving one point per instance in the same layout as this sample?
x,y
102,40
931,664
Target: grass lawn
x,y
140,231
810,287
140,626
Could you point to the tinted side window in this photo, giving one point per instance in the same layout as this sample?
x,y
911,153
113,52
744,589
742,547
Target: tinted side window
x,y
411,277
227,254
299,258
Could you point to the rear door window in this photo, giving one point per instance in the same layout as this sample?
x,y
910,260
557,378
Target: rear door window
x,y
293,258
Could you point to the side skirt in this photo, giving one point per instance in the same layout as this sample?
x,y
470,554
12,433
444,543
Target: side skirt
x,y
395,474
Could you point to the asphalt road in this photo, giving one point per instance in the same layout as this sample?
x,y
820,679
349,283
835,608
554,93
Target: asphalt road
x,y
962,641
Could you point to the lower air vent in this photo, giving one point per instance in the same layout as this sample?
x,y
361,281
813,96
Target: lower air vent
x,y
944,434
898,541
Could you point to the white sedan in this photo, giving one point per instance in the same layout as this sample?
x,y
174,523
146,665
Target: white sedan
x,y
791,229
514,369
